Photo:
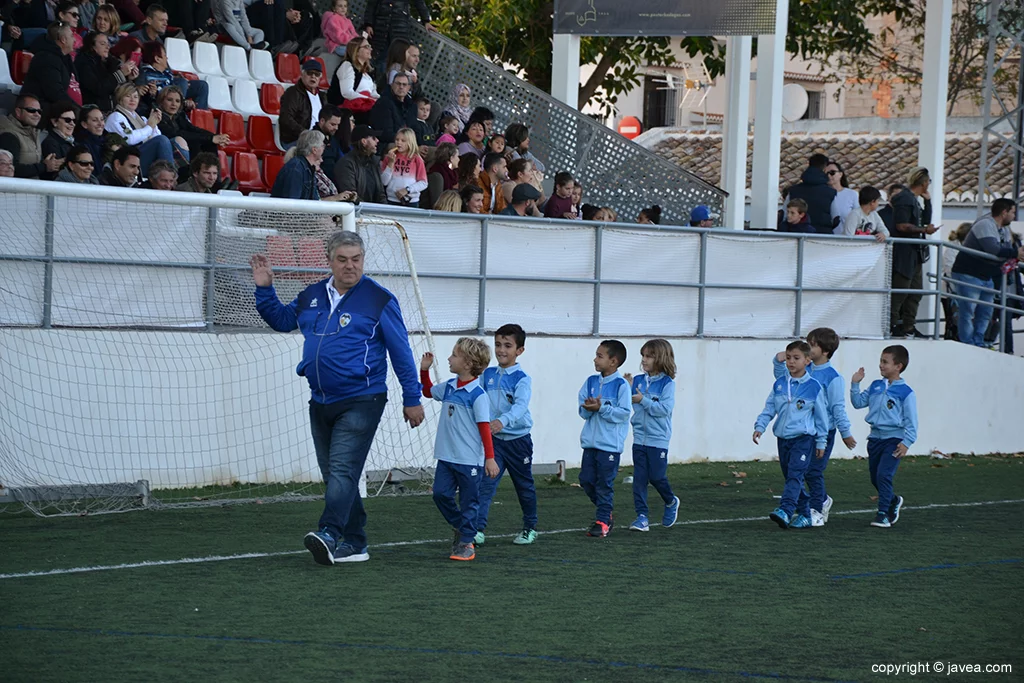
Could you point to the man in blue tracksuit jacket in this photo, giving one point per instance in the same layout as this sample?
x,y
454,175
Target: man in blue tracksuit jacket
x,y
350,324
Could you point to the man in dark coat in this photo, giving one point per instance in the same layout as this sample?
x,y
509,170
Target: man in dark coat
x,y
49,75
813,188
359,170
394,110
301,103
387,20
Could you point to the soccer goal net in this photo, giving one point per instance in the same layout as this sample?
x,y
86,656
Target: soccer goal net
x,y
135,370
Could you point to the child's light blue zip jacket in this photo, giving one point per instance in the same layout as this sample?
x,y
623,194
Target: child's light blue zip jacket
x,y
509,391
800,406
835,395
892,409
652,417
606,429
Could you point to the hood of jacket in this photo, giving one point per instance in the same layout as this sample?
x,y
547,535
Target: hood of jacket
x,y
814,176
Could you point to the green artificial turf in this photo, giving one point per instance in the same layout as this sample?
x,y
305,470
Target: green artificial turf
x,y
724,600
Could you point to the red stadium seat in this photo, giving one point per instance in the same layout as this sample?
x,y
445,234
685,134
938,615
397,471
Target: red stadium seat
x,y
287,66
324,83
233,125
225,167
260,136
281,252
247,173
272,164
270,98
20,66
203,118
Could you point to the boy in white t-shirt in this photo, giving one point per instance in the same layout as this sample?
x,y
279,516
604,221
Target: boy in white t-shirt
x,y
864,220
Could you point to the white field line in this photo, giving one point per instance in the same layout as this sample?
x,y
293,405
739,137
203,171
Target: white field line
x,y
427,541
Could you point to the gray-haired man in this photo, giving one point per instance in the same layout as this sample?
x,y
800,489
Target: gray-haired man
x,y
350,324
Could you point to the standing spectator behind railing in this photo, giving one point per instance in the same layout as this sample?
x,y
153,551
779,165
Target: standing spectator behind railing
x,y
337,28
912,213
352,86
99,73
359,170
19,135
387,20
51,74
846,199
301,104
231,16
61,136
137,131
990,234
814,189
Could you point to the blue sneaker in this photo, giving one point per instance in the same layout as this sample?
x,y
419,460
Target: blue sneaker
x,y
671,513
346,552
321,545
881,521
780,517
641,524
894,509
800,522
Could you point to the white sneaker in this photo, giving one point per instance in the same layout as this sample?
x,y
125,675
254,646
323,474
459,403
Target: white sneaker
x,y
817,519
825,507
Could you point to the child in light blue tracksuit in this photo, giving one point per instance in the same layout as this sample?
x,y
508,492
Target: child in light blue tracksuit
x,y
604,404
802,429
892,414
824,342
654,397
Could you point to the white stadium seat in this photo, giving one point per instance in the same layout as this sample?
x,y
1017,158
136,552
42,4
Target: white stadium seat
x,y
6,82
261,67
206,59
178,56
220,94
234,63
247,99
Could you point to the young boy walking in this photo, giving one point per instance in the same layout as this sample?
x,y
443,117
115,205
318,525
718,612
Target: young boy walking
x,y
508,390
801,428
605,402
892,414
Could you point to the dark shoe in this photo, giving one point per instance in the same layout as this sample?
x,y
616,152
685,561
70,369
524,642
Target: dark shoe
x,y
321,545
881,521
917,334
894,509
599,529
463,552
349,553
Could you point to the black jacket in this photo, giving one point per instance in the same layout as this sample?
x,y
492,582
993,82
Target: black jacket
x,y
198,139
391,21
59,148
389,115
907,258
361,173
49,74
98,79
813,188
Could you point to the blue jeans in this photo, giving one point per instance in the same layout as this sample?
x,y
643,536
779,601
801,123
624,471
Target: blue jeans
x,y
197,91
795,456
450,478
158,147
650,466
973,316
882,467
597,478
516,456
342,434
814,477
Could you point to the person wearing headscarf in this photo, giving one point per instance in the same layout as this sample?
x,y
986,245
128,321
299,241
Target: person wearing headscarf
x,y
458,105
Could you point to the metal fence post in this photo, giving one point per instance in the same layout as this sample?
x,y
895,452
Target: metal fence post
x,y
702,290
799,285
211,271
48,267
597,280
939,274
1002,313
482,306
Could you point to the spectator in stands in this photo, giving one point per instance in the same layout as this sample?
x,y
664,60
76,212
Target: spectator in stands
x,y
424,133
990,234
700,217
521,171
137,131
385,21
128,49
99,73
301,103
912,213
129,11
402,171
78,167
474,140
577,199
524,201
352,86
650,216
297,178
885,213
205,169
156,71
89,134
404,57
496,144
337,28
394,110
69,13
606,214
459,107
19,135
6,164
153,27
186,138
517,145
61,134
303,25
193,17
864,219
445,157
161,175
231,16
269,16
324,185
494,174
846,199
796,218
814,189
469,170
560,203
328,123
108,22
124,168
448,126
449,201
88,9
51,73
472,199
359,170
484,116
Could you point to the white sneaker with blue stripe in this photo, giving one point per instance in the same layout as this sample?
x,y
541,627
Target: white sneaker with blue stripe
x,y
671,513
346,552
641,524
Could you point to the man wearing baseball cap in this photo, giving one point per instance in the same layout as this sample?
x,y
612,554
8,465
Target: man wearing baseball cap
x,y
523,198
301,103
701,217
359,170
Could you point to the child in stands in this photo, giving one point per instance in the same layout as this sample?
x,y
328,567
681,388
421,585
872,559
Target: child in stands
x,y
892,414
560,204
402,171
463,447
654,397
604,404
337,28
801,428
864,219
508,391
796,217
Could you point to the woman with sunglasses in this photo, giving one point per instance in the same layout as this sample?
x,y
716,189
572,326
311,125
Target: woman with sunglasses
x,y
79,167
846,198
68,12
61,138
